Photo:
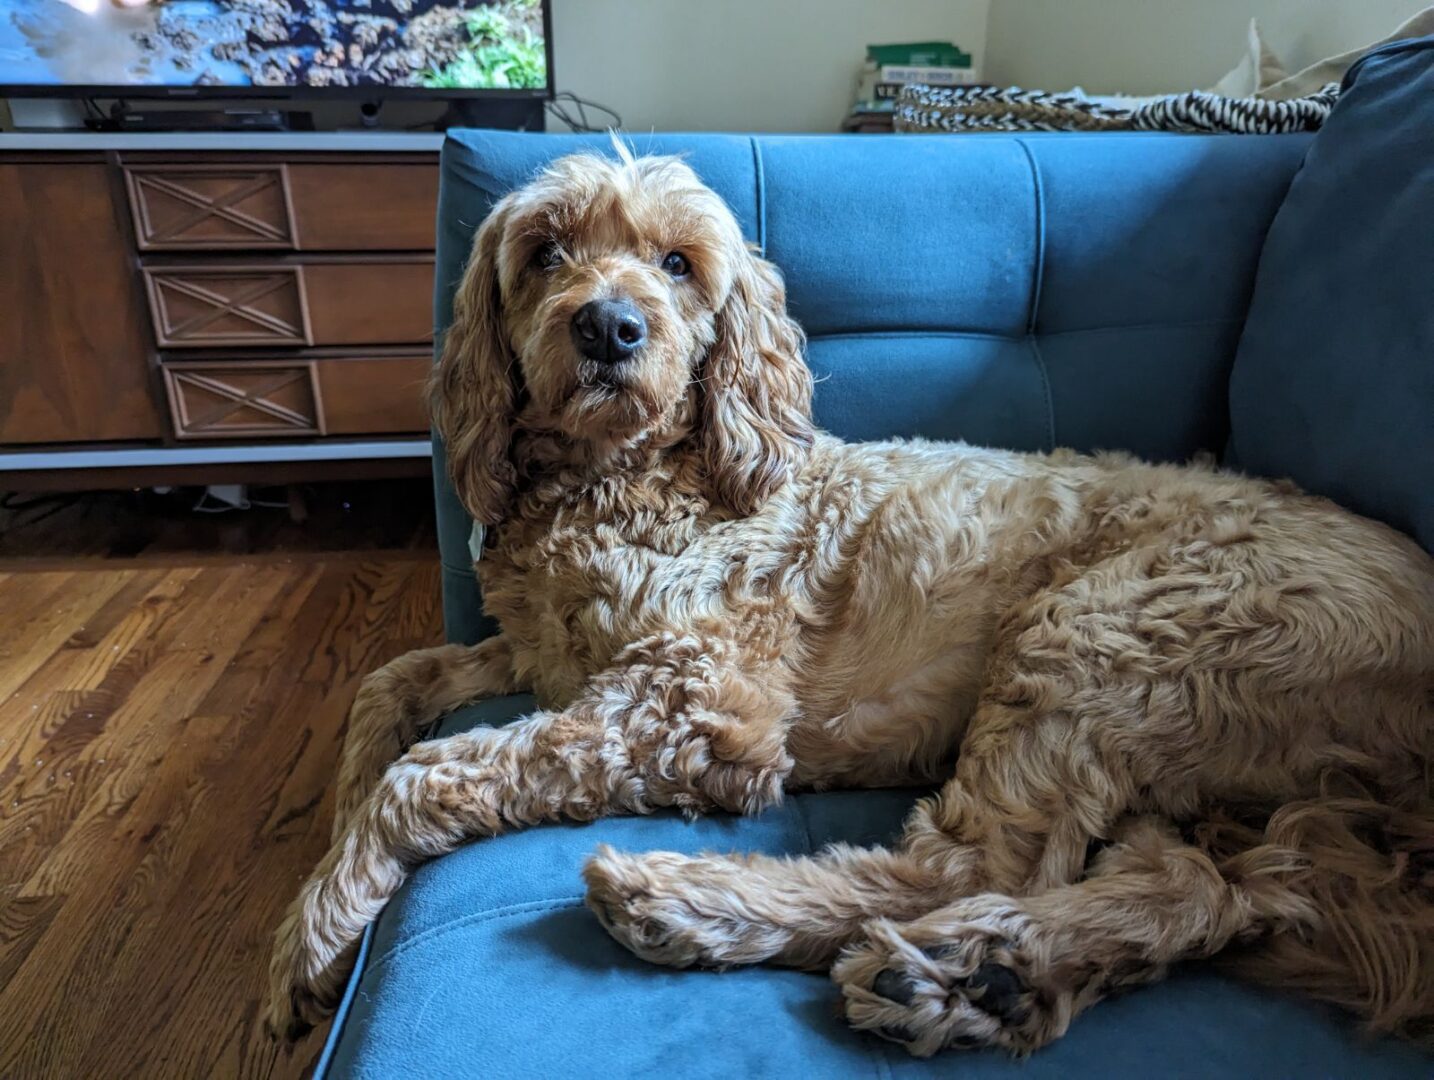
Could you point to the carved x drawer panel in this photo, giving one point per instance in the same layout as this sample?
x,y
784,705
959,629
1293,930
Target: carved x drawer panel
x,y
196,207
220,399
196,306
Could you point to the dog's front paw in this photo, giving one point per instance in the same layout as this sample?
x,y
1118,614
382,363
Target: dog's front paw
x,y
944,981
303,988
637,900
680,910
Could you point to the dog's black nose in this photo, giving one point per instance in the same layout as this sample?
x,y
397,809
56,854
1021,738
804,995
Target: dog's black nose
x,y
609,330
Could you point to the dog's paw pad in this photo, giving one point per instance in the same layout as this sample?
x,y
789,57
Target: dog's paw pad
x,y
968,990
895,986
997,989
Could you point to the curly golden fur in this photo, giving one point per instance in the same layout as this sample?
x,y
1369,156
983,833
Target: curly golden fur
x,y
1228,683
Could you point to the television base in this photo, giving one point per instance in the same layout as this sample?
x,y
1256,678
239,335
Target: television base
x,y
523,114
121,118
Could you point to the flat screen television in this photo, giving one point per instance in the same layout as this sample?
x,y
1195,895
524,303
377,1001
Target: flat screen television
x,y
276,48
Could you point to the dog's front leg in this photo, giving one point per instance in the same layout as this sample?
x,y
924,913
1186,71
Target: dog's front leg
x,y
398,700
677,721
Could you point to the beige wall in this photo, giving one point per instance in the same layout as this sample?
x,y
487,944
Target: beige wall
x,y
739,65
790,65
1153,46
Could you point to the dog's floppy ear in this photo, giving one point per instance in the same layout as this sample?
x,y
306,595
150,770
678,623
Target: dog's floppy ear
x,y
472,393
757,401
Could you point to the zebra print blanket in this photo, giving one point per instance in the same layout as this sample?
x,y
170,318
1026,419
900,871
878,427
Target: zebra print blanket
x,y
985,108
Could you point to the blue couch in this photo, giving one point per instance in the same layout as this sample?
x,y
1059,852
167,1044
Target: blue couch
x,y
1030,292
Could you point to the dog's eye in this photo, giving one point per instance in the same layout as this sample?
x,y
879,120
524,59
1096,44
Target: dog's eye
x,y
675,264
549,256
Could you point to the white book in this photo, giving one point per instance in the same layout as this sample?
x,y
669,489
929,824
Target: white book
x,y
931,76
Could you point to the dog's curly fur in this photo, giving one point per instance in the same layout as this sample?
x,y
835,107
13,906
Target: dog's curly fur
x,y
1228,683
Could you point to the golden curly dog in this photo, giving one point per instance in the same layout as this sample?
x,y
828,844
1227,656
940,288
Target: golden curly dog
x,y
1228,684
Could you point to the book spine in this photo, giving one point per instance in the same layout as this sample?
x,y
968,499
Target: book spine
x,y
931,76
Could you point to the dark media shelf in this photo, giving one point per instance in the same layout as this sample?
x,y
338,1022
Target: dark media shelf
x,y
202,120
365,141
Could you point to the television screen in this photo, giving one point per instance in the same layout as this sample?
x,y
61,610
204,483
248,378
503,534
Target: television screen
x,y
443,46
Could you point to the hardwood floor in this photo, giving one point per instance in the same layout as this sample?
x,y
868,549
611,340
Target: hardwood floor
x,y
170,717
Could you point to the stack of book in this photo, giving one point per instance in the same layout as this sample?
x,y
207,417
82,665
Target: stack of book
x,y
890,67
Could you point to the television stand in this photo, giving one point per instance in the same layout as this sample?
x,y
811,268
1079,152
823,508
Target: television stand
x,y
122,118
522,114
235,306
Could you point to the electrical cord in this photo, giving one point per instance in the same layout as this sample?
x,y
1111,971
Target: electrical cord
x,y
563,102
49,506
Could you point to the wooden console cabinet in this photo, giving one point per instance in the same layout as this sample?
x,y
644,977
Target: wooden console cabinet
x,y
177,307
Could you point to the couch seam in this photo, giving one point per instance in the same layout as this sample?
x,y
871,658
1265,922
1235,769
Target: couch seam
x,y
1035,347
992,335
1186,324
759,182
1039,269
841,335
806,825
1038,278
508,911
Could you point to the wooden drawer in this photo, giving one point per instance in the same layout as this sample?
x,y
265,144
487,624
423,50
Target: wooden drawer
x,y
217,206
222,399
307,396
377,301
374,395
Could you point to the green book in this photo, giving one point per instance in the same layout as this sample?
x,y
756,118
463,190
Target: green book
x,y
931,54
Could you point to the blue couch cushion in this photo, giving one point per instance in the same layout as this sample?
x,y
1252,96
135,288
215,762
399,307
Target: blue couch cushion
x,y
487,964
1334,379
1026,292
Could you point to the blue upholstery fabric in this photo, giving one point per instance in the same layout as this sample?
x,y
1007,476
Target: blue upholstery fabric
x,y
1334,382
1028,292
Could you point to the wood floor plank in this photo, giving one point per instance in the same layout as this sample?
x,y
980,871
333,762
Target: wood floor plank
x,y
191,718
200,882
278,779
150,719
50,628
39,799
26,596
22,924
144,799
89,676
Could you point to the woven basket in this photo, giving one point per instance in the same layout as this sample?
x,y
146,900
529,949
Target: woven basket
x,y
986,108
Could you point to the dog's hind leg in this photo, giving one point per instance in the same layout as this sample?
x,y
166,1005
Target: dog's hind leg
x,y
396,702
678,721
1012,972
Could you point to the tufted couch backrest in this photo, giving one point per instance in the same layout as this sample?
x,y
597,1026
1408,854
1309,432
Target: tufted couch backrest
x,y
1079,290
